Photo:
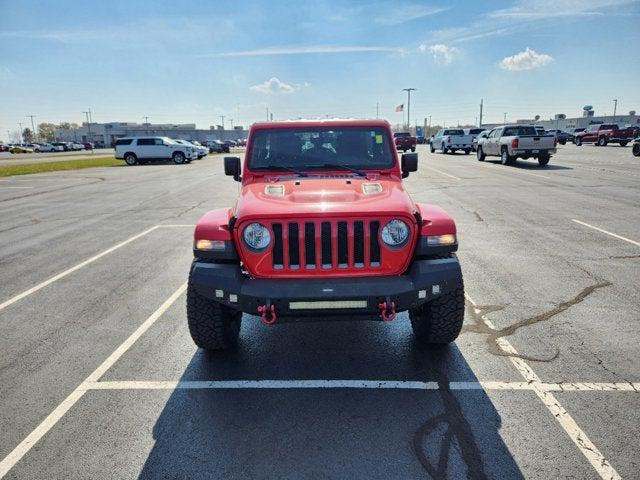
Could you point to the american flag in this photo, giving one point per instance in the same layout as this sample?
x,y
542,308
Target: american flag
x,y
400,108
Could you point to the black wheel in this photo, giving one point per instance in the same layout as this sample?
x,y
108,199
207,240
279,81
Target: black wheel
x,y
178,158
130,159
602,141
505,158
578,141
467,151
452,151
413,149
480,154
440,320
443,148
562,142
212,326
431,147
636,149
623,144
543,160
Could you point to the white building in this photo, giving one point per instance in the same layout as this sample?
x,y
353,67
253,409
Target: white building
x,y
107,133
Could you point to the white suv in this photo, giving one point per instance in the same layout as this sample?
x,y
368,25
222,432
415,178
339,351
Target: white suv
x,y
143,149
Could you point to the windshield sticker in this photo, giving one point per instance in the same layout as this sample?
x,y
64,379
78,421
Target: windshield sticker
x,y
378,138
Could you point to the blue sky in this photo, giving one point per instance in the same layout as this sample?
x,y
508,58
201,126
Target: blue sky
x,y
193,61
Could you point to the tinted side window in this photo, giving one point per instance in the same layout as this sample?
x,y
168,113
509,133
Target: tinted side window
x,y
125,141
146,141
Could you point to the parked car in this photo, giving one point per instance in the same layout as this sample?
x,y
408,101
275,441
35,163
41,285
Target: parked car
x,y
199,149
241,142
405,141
4,147
61,146
539,129
141,150
421,139
605,133
449,140
511,142
20,149
474,142
636,147
45,147
291,247
88,146
216,146
562,136
76,147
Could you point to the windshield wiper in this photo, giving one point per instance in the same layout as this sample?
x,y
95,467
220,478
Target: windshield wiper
x,y
343,167
283,167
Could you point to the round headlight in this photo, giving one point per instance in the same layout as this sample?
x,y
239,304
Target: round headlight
x,y
257,236
395,233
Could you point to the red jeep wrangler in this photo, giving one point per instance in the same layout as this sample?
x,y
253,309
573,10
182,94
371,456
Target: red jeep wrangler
x,y
323,226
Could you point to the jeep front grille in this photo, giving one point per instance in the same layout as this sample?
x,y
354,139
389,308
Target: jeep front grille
x,y
326,245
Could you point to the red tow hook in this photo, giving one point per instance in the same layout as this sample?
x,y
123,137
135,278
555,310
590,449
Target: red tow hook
x,y
387,310
268,314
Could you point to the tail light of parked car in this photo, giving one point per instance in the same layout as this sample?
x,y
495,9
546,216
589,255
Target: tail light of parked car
x,y
514,143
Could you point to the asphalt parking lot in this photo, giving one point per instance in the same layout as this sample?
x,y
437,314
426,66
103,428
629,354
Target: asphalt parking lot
x,y
100,379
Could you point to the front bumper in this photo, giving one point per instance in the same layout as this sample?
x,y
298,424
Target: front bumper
x,y
300,298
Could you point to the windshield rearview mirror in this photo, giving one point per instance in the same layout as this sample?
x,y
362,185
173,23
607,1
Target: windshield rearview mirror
x,y
409,163
232,167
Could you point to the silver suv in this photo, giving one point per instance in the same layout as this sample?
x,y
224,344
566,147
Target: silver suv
x,y
143,149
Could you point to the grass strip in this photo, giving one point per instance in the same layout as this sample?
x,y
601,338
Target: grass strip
x,y
29,168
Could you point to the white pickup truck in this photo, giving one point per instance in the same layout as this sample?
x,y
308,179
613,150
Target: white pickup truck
x,y
451,139
511,142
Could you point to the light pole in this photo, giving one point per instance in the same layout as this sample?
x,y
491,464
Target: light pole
x,y
33,127
615,107
504,121
222,119
408,90
87,113
21,137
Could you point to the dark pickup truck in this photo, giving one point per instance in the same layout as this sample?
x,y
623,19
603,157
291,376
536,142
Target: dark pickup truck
x,y
404,141
606,133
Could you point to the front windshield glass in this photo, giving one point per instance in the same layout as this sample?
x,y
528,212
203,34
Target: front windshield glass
x,y
318,148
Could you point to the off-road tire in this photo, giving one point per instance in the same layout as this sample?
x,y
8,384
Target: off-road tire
x,y
440,320
602,142
131,159
543,160
212,325
636,149
480,154
178,158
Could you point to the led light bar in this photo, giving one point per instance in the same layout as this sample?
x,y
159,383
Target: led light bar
x,y
327,305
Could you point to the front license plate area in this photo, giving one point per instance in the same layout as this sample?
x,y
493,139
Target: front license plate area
x,y
327,304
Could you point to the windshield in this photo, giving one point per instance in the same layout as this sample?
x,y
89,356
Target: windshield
x,y
318,148
453,132
402,135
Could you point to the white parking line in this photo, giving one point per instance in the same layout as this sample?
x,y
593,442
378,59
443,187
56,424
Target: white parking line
x,y
579,437
4,188
86,262
23,447
357,384
633,242
443,173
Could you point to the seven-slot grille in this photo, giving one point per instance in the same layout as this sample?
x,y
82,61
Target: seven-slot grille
x,y
326,245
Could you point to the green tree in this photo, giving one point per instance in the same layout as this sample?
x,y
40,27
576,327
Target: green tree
x,y
27,135
46,132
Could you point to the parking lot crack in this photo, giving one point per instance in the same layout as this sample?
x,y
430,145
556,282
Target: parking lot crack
x,y
493,335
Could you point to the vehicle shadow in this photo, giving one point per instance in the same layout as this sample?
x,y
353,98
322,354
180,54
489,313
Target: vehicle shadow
x,y
532,165
329,432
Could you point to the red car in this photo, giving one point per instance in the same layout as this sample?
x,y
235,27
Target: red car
x,y
404,141
606,133
324,227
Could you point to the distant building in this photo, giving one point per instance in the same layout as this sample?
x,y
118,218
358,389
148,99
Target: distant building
x,y
108,133
588,118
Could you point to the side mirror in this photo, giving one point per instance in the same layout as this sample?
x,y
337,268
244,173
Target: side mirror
x,y
232,167
409,163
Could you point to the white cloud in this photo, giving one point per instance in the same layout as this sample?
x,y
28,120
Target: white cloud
x,y
273,86
526,60
399,13
293,50
441,53
539,9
